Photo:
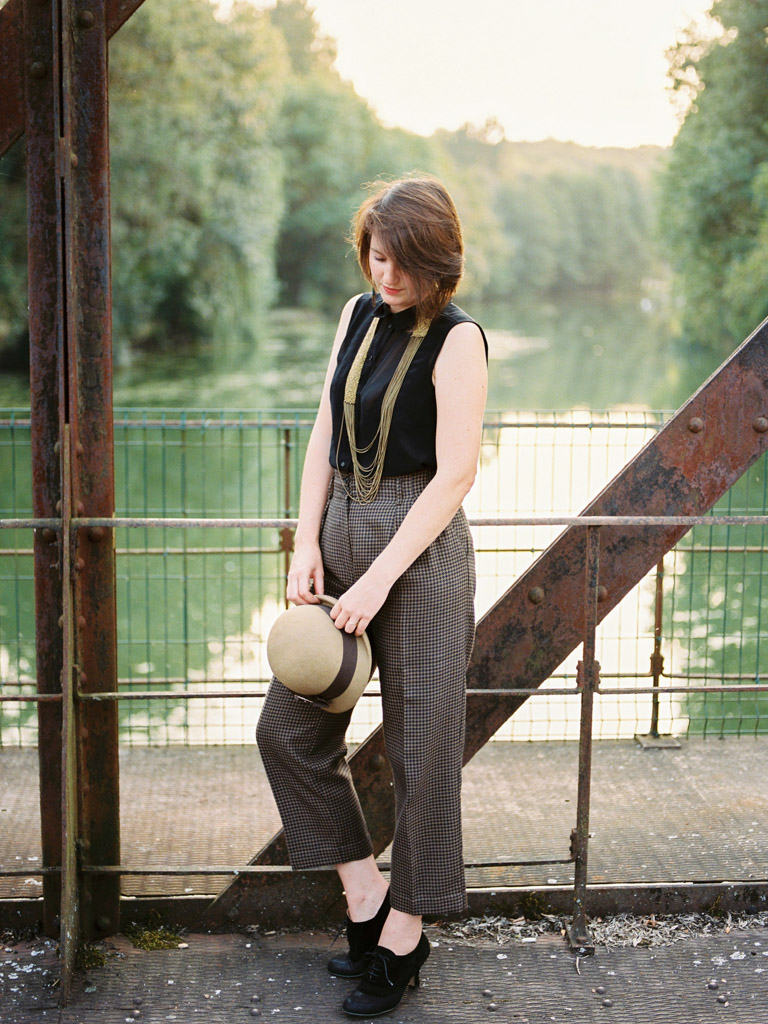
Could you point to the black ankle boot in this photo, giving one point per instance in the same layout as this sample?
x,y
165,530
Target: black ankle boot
x,y
386,979
363,937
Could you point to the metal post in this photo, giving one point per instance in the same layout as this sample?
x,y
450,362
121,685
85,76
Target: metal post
x,y
657,659
286,534
70,880
652,738
85,174
589,671
47,404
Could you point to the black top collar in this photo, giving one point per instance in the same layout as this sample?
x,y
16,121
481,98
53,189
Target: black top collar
x,y
401,320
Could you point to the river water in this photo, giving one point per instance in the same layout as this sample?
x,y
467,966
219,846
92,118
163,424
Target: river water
x,y
581,354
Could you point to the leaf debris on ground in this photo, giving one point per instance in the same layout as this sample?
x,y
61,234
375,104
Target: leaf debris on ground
x,y
617,930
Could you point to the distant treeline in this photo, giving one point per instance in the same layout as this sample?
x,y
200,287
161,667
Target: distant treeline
x,y
237,157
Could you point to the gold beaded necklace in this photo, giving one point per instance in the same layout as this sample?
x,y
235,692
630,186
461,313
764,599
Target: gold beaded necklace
x,y
368,478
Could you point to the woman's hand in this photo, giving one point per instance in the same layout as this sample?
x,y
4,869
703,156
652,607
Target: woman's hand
x,y
306,573
357,606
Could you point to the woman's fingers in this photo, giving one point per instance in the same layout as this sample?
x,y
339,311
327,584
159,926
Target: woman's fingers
x,y
305,580
349,621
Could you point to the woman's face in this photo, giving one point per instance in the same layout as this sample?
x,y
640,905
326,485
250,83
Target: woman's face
x,y
395,286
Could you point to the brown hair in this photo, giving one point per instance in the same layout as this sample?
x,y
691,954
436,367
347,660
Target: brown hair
x,y
419,230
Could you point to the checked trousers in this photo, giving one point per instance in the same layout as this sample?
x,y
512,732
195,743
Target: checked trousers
x,y
422,639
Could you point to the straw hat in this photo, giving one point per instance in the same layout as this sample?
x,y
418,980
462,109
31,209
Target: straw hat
x,y
319,662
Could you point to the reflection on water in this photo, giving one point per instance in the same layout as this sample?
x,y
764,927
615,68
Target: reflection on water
x,y
582,354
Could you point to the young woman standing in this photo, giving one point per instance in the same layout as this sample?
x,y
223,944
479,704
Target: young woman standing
x,y
392,455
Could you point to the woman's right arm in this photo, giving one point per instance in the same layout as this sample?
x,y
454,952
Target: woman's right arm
x,y
307,563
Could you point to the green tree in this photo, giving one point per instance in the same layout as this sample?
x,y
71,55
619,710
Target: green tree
x,y
195,175
331,142
554,218
714,211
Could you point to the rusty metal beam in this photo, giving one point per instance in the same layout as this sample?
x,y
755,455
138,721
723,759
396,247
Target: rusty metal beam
x,y
710,442
70,882
12,49
15,60
85,176
46,329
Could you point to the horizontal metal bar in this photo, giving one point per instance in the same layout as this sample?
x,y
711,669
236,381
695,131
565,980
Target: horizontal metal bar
x,y
176,552
565,691
31,698
30,524
150,522
719,549
195,424
661,691
169,523
709,549
260,869
172,695
308,423
244,694
703,675
28,872
227,523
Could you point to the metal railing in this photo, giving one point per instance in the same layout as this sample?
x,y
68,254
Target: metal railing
x,y
185,537
588,684
195,600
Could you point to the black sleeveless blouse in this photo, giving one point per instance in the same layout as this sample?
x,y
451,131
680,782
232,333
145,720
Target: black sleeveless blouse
x,y
411,445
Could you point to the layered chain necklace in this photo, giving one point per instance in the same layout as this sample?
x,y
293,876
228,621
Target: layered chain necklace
x,y
368,478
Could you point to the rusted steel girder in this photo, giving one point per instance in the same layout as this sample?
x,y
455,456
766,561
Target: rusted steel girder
x,y
85,174
47,401
12,49
710,442
15,59
66,119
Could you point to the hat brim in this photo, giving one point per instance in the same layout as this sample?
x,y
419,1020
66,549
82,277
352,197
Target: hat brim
x,y
320,663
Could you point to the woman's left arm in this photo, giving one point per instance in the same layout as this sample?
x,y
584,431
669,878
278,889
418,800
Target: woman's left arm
x,y
461,381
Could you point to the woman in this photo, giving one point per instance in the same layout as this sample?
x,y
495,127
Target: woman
x,y
392,454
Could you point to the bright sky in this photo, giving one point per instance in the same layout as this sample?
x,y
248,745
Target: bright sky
x,y
592,71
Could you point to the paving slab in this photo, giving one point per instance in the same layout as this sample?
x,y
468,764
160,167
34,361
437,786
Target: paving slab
x,y
238,978
699,813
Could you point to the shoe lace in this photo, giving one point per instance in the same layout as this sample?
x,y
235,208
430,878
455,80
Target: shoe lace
x,y
378,968
339,930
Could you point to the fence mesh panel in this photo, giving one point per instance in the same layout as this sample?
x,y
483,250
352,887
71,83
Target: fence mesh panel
x,y
195,605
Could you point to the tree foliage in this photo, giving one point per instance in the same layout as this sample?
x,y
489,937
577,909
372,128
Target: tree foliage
x,y
238,154
196,177
715,187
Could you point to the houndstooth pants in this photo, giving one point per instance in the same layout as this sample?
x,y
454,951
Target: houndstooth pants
x,y
422,638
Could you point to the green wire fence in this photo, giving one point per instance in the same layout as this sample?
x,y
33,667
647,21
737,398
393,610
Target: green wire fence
x,y
195,605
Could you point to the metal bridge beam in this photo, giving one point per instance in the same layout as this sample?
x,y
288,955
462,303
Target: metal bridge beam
x,y
710,442
54,86
16,58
